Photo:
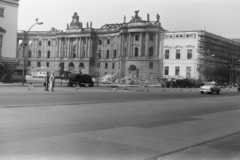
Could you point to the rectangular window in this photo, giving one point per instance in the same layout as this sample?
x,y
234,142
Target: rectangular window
x,y
150,65
188,72
47,64
189,54
99,41
151,37
39,64
113,65
178,54
106,65
136,37
98,65
166,70
177,69
167,54
1,12
29,63
1,39
49,43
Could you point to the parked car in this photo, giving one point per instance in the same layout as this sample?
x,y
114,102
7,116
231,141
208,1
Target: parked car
x,y
81,79
210,87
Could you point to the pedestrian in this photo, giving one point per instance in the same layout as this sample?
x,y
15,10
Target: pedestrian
x,y
51,82
30,87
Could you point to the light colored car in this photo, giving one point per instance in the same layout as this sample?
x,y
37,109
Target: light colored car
x,y
210,87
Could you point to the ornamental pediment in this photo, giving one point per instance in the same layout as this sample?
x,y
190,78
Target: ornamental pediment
x,y
177,46
167,46
190,46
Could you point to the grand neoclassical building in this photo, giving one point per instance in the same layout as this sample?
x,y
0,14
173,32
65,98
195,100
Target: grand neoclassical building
x,y
140,49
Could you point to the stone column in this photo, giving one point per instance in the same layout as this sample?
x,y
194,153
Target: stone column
x,y
119,44
146,43
129,45
81,47
77,47
122,48
140,47
59,47
156,45
89,47
68,46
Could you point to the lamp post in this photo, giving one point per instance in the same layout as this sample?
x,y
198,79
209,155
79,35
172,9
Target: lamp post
x,y
25,40
98,54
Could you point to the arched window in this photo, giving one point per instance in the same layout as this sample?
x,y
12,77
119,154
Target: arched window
x,y
150,51
71,64
107,54
81,65
39,43
29,54
136,52
39,54
49,43
48,54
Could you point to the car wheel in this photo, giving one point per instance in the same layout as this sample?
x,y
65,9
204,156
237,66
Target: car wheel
x,y
217,92
201,92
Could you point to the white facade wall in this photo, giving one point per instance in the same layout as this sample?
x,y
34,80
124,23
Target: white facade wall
x,y
182,41
9,23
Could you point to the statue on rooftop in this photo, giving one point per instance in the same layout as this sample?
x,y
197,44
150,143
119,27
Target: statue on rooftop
x,y
90,24
136,13
124,20
148,17
158,17
87,25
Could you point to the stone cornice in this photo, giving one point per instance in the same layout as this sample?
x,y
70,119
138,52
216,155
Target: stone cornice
x,y
10,2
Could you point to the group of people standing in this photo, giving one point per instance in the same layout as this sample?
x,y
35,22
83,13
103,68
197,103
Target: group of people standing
x,y
51,82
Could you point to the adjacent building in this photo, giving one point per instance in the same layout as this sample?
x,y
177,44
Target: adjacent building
x,y
140,49
8,35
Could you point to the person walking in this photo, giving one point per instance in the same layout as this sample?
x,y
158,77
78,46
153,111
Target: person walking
x,y
52,82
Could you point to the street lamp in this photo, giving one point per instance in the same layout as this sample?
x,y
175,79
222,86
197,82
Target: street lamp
x,y
24,47
98,54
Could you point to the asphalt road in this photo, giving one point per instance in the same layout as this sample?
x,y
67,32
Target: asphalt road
x,y
65,124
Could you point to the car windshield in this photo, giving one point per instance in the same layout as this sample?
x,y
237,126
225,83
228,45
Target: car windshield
x,y
209,84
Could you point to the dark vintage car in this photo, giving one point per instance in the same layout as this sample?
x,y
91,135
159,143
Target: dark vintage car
x,y
179,83
81,79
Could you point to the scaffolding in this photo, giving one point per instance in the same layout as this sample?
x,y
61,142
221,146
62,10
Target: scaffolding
x,y
218,57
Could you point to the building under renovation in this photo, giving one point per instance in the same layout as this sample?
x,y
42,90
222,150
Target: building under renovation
x,y
140,49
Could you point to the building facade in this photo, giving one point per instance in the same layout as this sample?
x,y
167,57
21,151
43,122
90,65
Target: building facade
x,y
140,49
8,35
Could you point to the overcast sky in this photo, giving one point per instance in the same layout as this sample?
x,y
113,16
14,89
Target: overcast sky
x,y
220,17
